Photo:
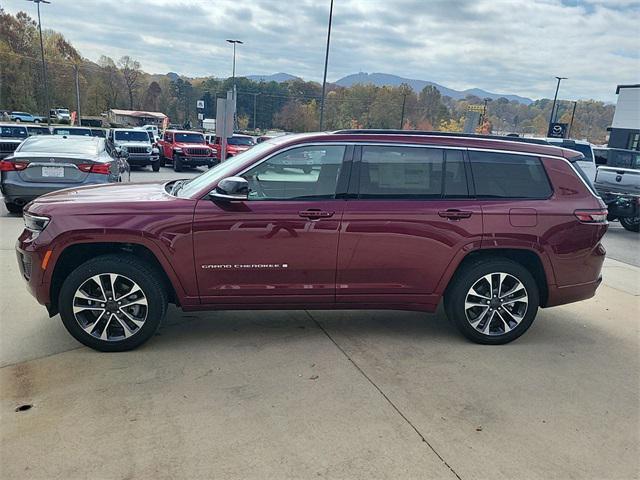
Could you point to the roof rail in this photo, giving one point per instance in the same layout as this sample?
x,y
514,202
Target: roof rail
x,y
538,141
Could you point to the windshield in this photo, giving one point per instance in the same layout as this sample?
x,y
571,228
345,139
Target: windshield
x,y
14,132
72,131
223,169
38,131
132,136
248,141
43,144
189,138
63,111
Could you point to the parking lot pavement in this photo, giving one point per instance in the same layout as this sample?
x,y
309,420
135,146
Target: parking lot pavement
x,y
371,394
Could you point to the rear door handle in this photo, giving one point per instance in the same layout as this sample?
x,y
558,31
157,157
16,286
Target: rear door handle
x,y
315,214
454,214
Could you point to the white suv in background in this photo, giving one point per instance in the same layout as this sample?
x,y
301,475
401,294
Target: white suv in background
x,y
588,165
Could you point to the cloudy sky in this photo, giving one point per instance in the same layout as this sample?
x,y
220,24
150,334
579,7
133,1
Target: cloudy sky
x,y
506,46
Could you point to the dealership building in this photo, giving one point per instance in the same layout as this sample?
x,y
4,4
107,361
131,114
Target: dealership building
x,y
134,118
625,128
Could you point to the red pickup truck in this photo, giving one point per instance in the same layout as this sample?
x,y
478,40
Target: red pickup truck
x,y
185,149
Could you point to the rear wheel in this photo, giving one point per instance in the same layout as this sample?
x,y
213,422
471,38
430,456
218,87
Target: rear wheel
x,y
493,301
112,303
631,223
13,207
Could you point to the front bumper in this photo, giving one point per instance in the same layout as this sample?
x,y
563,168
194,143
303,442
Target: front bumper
x,y
140,160
197,161
30,258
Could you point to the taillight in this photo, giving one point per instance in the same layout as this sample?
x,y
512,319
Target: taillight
x,y
591,216
7,166
100,168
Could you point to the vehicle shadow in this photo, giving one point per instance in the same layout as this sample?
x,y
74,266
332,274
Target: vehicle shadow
x,y
354,326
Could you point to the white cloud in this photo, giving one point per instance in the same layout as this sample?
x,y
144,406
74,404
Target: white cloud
x,y
498,45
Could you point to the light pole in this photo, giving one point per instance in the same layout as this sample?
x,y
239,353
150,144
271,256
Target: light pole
x,y
573,114
326,64
44,65
555,98
233,74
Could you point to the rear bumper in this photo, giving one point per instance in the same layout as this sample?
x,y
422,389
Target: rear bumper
x,y
18,191
572,293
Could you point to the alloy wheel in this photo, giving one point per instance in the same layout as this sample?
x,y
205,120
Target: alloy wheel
x,y
110,307
496,304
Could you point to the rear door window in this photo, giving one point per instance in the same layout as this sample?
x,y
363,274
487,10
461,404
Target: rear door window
x,y
400,172
503,175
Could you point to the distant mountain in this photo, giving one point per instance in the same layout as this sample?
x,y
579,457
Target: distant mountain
x,y
276,77
381,79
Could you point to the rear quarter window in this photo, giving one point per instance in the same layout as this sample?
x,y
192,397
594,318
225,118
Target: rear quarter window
x,y
503,175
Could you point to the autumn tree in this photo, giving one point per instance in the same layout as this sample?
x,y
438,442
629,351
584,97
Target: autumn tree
x,y
131,73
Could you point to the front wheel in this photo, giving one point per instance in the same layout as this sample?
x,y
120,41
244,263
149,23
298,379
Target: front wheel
x,y
13,207
631,223
113,303
155,166
177,163
493,301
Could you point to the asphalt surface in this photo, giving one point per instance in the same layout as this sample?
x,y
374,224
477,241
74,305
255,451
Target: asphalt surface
x,y
310,394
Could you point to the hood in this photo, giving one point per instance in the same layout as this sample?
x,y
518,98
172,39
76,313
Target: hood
x,y
125,198
132,143
196,145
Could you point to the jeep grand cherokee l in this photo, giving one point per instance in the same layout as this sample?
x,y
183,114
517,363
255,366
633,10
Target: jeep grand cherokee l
x,y
495,228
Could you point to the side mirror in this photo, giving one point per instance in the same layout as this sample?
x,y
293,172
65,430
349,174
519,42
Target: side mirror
x,y
230,189
122,152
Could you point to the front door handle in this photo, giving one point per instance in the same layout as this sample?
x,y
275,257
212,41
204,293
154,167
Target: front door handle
x,y
454,214
315,214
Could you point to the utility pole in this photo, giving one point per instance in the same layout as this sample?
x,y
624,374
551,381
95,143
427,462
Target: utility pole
x,y
404,99
326,64
555,98
77,72
255,96
47,106
573,114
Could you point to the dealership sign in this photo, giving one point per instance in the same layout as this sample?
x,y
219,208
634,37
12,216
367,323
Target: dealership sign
x,y
557,130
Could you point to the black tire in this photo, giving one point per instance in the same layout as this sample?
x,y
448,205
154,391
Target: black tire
x,y
155,166
631,223
177,164
13,207
460,287
162,161
130,267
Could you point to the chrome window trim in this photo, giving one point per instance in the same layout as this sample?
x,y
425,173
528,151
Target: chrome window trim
x,y
420,145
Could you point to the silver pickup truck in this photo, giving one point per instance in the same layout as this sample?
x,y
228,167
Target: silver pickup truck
x,y
618,183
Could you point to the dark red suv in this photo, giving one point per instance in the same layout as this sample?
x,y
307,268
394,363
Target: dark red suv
x,y
354,219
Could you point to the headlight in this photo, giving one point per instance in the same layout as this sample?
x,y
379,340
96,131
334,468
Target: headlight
x,y
35,223
155,151
177,149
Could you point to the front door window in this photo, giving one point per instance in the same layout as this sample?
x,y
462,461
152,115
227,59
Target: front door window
x,y
297,174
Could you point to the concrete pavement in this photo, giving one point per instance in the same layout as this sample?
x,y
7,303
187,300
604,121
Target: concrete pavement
x,y
371,394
